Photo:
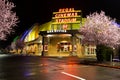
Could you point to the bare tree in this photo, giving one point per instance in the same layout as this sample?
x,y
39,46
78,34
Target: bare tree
x,y
20,44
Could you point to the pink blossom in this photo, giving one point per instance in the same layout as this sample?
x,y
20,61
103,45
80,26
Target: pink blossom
x,y
99,29
8,19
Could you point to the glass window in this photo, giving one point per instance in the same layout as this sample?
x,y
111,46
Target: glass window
x,y
64,47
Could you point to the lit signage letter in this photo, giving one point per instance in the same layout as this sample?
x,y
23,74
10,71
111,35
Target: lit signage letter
x,y
56,20
74,19
56,15
66,9
68,14
71,9
64,15
60,10
72,14
76,14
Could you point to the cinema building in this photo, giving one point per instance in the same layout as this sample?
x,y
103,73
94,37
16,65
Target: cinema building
x,y
59,37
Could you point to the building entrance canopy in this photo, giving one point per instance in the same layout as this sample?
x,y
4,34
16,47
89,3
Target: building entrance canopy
x,y
66,32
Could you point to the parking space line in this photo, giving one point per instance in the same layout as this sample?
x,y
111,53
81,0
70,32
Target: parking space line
x,y
73,76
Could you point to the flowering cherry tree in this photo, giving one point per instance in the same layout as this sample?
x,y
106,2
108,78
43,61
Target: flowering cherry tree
x,y
100,29
8,18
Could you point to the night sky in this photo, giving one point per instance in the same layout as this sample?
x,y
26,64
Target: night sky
x,y
40,11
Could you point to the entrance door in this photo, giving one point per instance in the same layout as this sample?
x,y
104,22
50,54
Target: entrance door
x,y
64,46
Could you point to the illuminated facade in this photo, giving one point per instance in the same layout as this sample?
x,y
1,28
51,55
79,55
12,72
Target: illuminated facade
x,y
59,37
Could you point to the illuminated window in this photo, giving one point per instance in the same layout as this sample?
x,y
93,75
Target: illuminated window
x,y
64,47
90,50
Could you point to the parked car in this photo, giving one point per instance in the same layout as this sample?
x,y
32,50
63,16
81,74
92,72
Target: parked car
x,y
116,59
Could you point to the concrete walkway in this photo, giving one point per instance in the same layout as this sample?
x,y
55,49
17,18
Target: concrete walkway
x,y
109,64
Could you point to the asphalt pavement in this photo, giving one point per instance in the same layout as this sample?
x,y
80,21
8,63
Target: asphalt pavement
x,y
91,61
52,68
85,61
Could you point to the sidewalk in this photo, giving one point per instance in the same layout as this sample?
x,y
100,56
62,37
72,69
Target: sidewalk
x,y
94,62
110,64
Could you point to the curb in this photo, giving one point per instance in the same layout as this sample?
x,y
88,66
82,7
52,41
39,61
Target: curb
x,y
102,65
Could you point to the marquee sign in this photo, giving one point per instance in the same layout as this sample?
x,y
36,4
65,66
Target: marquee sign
x,y
66,15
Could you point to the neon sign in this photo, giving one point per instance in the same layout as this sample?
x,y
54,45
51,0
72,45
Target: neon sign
x,y
66,15
66,10
72,14
66,20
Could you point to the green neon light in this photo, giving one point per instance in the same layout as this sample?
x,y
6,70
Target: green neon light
x,y
14,40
